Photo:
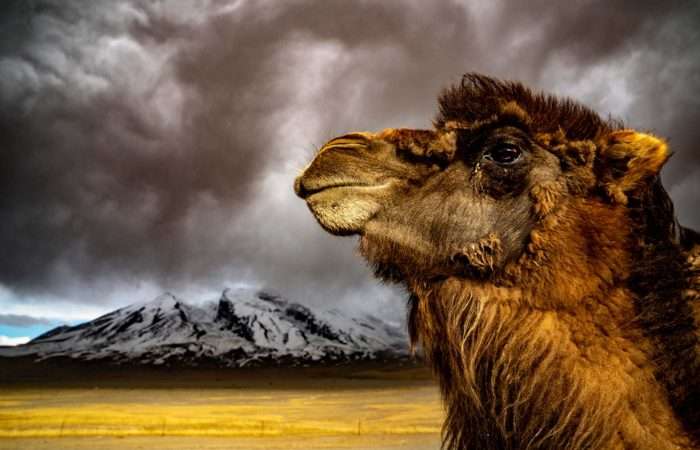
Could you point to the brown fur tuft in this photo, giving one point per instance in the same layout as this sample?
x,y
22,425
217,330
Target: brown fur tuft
x,y
479,97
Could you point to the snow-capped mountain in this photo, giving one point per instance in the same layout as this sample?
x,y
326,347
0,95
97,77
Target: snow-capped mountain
x,y
245,326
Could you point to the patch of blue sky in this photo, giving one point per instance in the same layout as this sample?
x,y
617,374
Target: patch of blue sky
x,y
30,331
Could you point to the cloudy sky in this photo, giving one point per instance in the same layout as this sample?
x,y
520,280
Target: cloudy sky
x,y
151,146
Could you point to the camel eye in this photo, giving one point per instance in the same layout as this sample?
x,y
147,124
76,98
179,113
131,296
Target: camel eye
x,y
504,154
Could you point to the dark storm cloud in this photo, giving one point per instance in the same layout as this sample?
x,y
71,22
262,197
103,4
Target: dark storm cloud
x,y
157,142
17,320
107,151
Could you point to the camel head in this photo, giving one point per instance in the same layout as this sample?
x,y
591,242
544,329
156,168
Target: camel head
x,y
476,193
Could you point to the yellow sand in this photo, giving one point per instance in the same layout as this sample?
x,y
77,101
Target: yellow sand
x,y
213,412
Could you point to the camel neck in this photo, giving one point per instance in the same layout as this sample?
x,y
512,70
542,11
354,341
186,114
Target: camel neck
x,y
509,370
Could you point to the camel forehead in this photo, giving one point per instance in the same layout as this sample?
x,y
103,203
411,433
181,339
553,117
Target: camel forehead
x,y
480,100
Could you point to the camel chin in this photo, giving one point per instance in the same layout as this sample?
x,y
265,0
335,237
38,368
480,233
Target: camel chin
x,y
345,210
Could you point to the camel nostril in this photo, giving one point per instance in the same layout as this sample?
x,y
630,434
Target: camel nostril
x,y
297,185
299,188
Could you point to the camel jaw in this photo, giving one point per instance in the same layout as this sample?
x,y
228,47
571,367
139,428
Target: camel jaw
x,y
345,209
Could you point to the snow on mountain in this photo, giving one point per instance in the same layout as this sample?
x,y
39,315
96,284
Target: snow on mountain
x,y
245,326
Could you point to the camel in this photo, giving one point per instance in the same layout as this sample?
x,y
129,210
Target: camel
x,y
552,290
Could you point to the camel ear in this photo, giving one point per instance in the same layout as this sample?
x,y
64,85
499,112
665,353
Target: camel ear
x,y
628,159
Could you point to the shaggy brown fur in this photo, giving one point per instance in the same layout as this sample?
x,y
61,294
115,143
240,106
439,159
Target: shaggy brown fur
x,y
552,289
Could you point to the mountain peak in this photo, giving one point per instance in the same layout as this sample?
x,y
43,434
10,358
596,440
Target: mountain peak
x,y
253,296
163,301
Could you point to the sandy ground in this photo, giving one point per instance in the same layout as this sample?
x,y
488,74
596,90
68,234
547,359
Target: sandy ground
x,y
351,407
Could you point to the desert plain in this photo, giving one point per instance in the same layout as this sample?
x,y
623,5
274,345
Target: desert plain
x,y
65,405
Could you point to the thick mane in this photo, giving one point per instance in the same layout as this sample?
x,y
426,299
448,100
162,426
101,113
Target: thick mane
x,y
479,97
661,280
546,404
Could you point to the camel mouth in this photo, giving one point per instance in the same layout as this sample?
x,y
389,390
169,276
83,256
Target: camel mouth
x,y
306,192
345,209
347,188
